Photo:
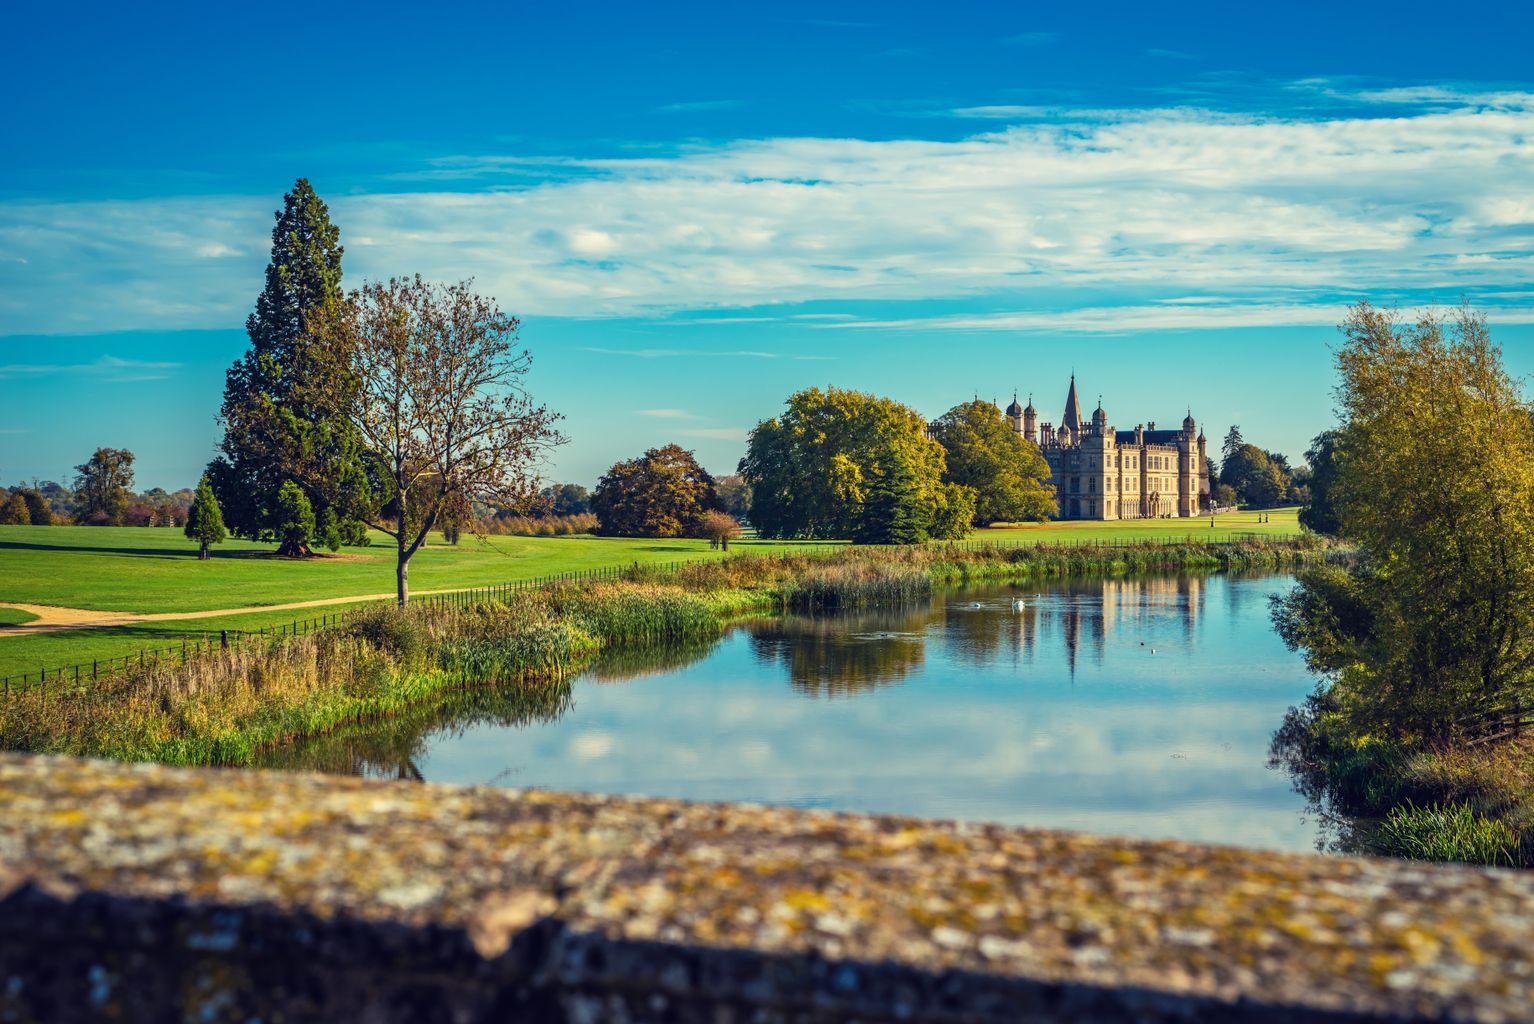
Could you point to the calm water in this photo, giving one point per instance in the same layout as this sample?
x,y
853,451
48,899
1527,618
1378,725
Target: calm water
x,y
1139,706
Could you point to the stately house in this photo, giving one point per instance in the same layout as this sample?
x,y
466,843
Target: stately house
x,y
1103,473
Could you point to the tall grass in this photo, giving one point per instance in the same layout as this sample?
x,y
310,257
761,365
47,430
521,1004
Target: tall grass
x,y
857,585
1447,832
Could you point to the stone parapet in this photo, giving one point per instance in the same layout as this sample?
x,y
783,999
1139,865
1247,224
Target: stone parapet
x,y
137,893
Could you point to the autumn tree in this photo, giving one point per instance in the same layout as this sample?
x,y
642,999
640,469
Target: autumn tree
x,y
1006,471
103,487
734,495
1320,513
1429,634
662,493
431,379
813,469
275,429
13,511
720,528
205,521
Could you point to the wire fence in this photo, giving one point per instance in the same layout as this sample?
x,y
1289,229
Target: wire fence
x,y
46,680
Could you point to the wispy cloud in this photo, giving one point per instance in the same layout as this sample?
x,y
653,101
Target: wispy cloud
x,y
669,414
716,433
1031,39
111,368
1425,195
1208,313
700,353
697,106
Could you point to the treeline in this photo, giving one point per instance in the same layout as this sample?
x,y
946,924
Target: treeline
x,y
1251,476
102,495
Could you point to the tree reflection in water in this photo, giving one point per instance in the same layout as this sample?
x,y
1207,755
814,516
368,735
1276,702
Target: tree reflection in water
x,y
839,655
390,748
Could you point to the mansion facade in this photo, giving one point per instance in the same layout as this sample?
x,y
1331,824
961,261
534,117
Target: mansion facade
x,y
1102,473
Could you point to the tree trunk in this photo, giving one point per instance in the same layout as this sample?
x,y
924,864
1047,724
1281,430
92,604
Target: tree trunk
x,y
296,549
402,573
202,554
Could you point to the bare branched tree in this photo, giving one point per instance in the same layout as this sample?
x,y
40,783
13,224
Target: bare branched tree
x,y
431,376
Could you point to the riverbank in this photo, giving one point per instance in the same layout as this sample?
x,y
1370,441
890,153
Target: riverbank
x,y
1470,802
228,706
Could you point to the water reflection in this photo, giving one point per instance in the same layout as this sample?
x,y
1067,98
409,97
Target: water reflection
x,y
839,656
1138,705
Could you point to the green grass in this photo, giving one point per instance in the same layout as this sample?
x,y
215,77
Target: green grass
x,y
1283,522
1447,832
15,616
156,570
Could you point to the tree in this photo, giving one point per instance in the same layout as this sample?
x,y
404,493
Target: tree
x,y
13,512
734,495
1429,634
1319,513
275,429
1255,478
566,499
894,512
1006,471
812,470
293,521
663,493
429,378
720,528
103,485
1233,443
1225,496
205,521
38,512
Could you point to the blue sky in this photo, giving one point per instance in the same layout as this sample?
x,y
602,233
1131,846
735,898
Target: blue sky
x,y
698,208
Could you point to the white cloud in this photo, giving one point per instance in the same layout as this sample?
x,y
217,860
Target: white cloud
x,y
716,433
111,368
1422,204
670,414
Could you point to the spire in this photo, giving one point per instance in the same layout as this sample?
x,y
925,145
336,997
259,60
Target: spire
x,y
1072,416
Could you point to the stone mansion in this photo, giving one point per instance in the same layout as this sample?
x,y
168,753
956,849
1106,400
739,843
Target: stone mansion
x,y
1103,473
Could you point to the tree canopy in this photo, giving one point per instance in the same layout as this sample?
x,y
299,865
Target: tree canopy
x,y
276,430
1006,471
205,521
662,493
1319,513
814,470
103,486
430,379
1431,631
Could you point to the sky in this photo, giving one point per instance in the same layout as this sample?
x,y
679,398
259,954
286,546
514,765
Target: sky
x,y
698,208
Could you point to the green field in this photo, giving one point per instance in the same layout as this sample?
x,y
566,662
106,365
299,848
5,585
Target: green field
x,y
127,569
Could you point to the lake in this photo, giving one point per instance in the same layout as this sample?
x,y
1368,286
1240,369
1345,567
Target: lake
x,y
1139,706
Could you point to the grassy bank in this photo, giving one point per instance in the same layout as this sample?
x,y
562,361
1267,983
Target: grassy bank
x,y
1470,803
232,706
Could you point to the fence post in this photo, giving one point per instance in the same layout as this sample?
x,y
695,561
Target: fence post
x,y
223,639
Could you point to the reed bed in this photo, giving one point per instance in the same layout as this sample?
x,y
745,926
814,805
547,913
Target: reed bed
x,y
232,706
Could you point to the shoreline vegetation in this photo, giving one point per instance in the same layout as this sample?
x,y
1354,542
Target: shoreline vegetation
x,y
232,707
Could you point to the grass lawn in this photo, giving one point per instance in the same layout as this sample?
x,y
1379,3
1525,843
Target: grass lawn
x,y
14,616
1283,522
146,570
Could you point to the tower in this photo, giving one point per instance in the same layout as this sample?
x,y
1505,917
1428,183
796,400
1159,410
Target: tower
x,y
1072,417
1030,422
1015,415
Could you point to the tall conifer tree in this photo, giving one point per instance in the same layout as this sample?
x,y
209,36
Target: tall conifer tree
x,y
274,431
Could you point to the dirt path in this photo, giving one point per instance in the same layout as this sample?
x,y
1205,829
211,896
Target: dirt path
x,y
55,619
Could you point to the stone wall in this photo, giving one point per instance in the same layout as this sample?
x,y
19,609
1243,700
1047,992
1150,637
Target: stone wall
x,y
138,893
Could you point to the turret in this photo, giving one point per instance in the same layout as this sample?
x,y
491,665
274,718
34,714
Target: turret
x,y
1015,415
1030,421
1072,419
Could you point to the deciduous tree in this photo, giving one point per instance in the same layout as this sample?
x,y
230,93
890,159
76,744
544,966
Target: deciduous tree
x,y
663,493
1430,634
1006,471
103,487
293,521
13,511
1319,513
812,470
430,378
720,528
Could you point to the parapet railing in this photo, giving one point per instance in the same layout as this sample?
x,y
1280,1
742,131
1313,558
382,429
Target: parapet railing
x,y
60,678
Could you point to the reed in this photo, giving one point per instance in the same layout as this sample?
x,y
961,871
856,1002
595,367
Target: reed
x,y
1447,832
